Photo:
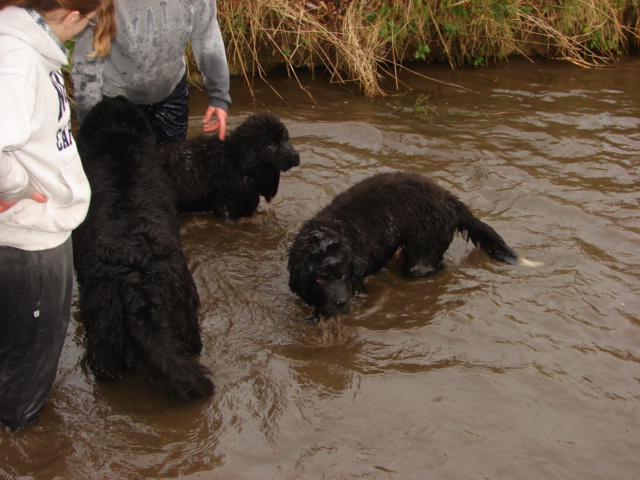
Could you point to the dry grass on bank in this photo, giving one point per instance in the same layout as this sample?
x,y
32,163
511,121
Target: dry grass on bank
x,y
357,40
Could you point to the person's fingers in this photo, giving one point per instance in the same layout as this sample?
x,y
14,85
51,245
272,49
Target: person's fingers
x,y
6,205
38,197
222,119
211,126
208,114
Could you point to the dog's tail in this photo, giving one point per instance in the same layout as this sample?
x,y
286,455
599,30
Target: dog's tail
x,y
486,238
170,370
163,358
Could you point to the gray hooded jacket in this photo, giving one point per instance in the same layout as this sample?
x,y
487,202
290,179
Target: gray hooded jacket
x,y
147,54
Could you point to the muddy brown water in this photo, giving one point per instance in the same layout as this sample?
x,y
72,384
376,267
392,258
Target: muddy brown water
x,y
483,371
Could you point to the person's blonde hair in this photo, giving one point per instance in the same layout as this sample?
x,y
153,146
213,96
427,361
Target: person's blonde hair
x,y
105,27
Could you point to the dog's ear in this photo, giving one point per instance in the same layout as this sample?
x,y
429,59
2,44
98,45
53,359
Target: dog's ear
x,y
300,269
267,180
328,248
320,245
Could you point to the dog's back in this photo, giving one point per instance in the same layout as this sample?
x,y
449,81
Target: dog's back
x,y
138,300
191,166
408,200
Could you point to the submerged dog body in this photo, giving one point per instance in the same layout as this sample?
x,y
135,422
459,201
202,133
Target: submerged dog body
x,y
362,228
228,177
138,301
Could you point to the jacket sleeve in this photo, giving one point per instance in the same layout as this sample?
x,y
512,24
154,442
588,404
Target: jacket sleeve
x,y
86,74
209,52
15,130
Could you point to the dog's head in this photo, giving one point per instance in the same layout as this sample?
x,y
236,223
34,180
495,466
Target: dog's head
x,y
321,270
113,133
115,118
262,149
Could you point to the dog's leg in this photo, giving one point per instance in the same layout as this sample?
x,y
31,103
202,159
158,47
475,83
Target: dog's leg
x,y
185,302
105,333
421,269
423,258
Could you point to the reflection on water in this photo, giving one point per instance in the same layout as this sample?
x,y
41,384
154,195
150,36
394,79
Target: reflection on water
x,y
484,370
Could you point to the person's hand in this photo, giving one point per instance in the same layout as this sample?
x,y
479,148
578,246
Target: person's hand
x,y
219,123
6,205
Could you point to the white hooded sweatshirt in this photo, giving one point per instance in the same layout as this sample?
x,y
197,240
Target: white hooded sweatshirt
x,y
38,152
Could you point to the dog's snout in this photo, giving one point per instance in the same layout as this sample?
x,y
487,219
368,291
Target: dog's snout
x,y
293,160
340,306
333,307
290,157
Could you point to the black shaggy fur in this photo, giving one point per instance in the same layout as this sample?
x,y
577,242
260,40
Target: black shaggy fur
x,y
361,229
138,301
229,177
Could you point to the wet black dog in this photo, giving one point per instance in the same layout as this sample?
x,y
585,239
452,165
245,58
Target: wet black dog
x,y
229,177
362,228
138,301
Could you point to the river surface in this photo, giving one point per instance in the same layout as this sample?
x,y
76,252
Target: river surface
x,y
482,371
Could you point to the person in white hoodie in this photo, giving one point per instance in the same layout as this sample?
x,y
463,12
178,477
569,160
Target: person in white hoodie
x,y
44,194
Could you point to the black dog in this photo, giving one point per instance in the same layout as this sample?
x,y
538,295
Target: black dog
x,y
138,301
228,177
361,229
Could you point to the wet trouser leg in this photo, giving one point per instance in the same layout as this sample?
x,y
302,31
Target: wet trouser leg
x,y
169,118
35,306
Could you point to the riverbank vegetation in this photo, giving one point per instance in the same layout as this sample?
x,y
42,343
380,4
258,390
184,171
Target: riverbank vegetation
x,y
358,41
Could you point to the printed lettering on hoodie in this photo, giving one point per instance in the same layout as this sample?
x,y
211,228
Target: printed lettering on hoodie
x,y
63,135
155,22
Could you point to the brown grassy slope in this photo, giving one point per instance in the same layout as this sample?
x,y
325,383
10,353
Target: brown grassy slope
x,y
356,40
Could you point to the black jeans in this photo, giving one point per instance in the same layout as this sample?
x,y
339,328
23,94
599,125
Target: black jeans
x,y
35,306
169,117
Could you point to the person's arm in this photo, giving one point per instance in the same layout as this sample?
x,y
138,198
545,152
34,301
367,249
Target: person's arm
x,y
209,53
86,74
17,99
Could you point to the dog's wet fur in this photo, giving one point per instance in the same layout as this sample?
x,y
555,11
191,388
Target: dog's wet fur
x,y
137,299
362,228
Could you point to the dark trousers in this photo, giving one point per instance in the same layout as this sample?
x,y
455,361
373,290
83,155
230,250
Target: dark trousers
x,y
35,306
169,118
